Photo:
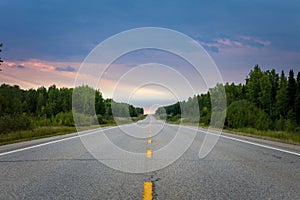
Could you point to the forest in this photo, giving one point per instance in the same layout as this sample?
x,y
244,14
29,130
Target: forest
x,y
26,109
267,101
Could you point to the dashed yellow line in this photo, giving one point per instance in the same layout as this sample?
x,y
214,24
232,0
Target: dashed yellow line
x,y
148,153
148,186
147,194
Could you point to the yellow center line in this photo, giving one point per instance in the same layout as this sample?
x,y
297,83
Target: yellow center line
x,y
149,141
148,153
149,135
147,194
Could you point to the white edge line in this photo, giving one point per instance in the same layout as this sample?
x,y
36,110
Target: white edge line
x,y
60,140
245,141
94,131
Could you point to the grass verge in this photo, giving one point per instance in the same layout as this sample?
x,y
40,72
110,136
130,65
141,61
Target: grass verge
x,y
280,136
49,131
36,133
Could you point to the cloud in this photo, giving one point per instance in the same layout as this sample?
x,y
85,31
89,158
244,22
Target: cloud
x,y
35,73
255,42
218,44
214,49
19,66
243,42
65,69
209,46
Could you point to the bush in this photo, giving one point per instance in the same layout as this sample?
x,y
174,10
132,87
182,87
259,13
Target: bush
x,y
85,120
105,119
173,118
18,122
242,114
64,119
163,116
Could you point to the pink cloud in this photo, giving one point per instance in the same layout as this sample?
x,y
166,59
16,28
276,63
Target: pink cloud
x,y
35,73
224,41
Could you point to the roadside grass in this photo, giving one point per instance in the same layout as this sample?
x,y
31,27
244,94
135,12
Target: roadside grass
x,y
280,136
49,131
36,133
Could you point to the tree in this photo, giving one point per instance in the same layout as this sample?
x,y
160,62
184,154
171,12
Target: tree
x,y
253,85
140,111
281,97
65,99
233,92
243,113
31,99
132,111
83,100
291,90
41,100
52,106
274,80
99,103
264,95
297,100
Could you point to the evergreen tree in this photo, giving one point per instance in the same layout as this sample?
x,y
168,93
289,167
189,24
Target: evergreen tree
x,y
274,80
253,85
41,100
264,95
297,100
281,97
291,91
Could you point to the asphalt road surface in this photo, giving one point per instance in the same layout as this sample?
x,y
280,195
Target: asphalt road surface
x,y
66,169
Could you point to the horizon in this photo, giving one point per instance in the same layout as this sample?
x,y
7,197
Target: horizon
x,y
150,110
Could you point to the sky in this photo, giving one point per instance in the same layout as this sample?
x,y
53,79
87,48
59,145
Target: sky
x,y
45,42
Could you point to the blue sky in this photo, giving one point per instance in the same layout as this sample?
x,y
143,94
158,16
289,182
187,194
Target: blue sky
x,y
55,36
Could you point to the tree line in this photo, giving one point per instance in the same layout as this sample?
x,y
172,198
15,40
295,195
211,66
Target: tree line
x,y
267,101
23,109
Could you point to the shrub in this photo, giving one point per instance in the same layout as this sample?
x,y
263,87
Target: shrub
x,y
64,119
9,123
242,114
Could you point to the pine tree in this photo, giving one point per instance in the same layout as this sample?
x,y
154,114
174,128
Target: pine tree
x,y
297,100
253,85
291,91
281,97
274,80
265,93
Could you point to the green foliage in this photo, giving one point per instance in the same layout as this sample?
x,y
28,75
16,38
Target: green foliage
x,y
291,91
281,97
64,119
234,92
253,85
265,102
53,107
245,114
83,100
297,100
14,123
36,133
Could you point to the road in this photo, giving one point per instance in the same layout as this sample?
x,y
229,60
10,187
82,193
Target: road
x,y
65,169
